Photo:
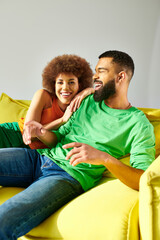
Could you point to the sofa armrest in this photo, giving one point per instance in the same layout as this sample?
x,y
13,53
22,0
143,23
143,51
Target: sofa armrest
x,y
149,202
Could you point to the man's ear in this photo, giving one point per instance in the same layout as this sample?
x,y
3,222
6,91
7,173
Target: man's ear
x,y
121,76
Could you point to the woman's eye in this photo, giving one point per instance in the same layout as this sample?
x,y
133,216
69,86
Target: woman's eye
x,y
59,82
71,82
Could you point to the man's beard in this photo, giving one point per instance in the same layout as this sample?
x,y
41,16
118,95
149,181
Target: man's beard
x,y
106,91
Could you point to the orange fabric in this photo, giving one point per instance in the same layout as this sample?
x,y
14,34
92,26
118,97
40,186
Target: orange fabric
x,y
48,115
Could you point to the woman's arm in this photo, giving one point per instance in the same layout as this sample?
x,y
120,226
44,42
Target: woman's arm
x,y
74,105
76,102
40,101
58,122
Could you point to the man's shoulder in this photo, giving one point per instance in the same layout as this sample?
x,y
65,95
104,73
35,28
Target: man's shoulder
x,y
141,118
139,113
88,100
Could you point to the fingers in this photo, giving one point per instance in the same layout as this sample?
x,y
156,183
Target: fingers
x,y
78,104
72,145
76,159
67,114
75,156
75,103
32,129
32,122
27,136
72,152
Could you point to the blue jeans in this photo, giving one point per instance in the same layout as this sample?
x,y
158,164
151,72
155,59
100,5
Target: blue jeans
x,y
47,188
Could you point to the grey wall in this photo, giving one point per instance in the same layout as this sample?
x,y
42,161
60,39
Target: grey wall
x,y
32,32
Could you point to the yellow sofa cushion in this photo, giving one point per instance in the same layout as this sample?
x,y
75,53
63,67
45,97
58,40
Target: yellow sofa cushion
x,y
108,211
12,110
154,117
149,202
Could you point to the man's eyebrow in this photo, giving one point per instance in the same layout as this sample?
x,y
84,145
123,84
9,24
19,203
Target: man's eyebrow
x,y
101,68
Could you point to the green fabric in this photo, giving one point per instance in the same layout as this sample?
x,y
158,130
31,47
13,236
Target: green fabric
x,y
10,135
117,132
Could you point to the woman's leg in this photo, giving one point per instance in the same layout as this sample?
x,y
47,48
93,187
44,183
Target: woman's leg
x,y
44,196
10,135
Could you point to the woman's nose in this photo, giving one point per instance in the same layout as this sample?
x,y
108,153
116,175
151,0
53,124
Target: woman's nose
x,y
65,86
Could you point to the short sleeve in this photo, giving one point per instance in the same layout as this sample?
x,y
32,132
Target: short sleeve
x,y
64,129
143,147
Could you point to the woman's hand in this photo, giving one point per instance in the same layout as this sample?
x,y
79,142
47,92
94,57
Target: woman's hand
x,y
76,102
60,121
67,114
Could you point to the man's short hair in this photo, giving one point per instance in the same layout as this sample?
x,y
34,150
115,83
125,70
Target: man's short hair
x,y
122,59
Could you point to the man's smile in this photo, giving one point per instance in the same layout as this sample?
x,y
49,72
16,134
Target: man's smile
x,y
97,84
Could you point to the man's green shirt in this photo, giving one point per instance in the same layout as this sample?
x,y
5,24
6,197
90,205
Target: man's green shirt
x,y
116,132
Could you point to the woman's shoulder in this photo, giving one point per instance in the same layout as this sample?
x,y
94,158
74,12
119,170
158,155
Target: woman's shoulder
x,y
44,96
43,91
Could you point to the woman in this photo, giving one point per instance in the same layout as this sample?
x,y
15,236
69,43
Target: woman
x,y
64,78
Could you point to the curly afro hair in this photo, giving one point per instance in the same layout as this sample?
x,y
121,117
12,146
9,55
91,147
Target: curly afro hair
x,y
67,64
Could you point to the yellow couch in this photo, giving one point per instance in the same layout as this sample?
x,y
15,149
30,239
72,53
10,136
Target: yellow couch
x,y
111,210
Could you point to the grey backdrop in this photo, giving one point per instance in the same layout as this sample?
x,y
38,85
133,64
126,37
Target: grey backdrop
x,y
32,32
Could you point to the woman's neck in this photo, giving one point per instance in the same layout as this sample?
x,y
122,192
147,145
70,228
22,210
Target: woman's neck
x,y
62,105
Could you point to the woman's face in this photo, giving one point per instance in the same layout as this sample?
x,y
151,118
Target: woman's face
x,y
66,87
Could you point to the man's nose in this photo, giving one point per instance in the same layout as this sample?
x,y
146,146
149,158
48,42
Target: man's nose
x,y
95,76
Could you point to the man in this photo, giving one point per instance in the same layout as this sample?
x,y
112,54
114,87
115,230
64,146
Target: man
x,y
102,130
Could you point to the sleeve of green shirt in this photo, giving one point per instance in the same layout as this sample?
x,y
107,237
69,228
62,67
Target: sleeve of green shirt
x,y
143,147
64,129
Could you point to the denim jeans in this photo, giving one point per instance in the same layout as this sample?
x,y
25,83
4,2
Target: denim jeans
x,y
47,188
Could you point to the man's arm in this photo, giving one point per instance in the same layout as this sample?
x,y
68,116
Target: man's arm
x,y
83,153
35,129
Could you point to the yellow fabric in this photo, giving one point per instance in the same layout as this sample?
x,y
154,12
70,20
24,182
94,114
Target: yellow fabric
x,y
108,211
154,117
149,202
11,110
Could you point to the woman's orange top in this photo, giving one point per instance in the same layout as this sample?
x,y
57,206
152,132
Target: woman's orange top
x,y
48,115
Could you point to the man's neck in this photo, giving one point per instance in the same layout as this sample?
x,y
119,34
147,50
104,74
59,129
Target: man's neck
x,y
117,103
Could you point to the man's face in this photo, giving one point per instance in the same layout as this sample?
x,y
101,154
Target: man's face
x,y
104,79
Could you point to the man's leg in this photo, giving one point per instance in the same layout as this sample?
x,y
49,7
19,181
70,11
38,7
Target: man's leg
x,y
24,211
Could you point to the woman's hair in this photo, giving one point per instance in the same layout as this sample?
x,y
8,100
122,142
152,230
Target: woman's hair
x,y
67,64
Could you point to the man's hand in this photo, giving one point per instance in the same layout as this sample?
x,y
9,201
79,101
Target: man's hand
x,y
83,153
32,129
35,129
